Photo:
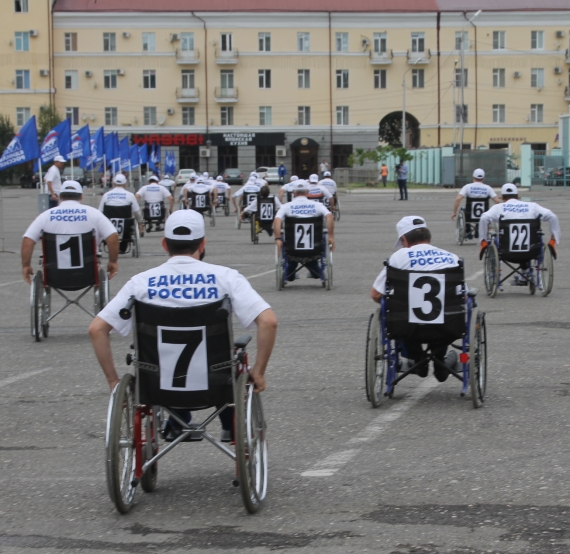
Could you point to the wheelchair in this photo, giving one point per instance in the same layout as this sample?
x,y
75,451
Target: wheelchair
x,y
246,199
127,228
401,319
69,263
467,220
153,213
519,241
184,358
223,202
305,240
262,219
202,203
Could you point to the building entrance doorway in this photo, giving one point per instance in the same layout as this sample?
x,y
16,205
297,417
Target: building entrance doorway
x,y
227,158
305,153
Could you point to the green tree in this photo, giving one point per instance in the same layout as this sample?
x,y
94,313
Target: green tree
x,y
390,130
49,117
7,132
378,154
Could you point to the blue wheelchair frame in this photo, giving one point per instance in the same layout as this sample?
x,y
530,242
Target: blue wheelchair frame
x,y
322,262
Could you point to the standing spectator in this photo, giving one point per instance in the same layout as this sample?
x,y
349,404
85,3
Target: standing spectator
x,y
53,180
402,171
282,172
323,167
384,174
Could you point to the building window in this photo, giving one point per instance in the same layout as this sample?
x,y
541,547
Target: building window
x,y
418,42
461,40
417,78
188,115
149,115
111,116
537,40
110,78
380,45
149,78
22,116
70,42
458,77
303,42
264,78
187,42
342,115
71,79
499,40
537,78
23,78
342,78
22,41
341,42
226,115
304,115
499,78
109,42
227,42
459,112
264,42
20,6
188,79
304,78
73,114
536,113
148,42
265,115
379,78
498,113
227,79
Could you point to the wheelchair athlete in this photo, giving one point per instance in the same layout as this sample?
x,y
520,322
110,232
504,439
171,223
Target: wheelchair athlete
x,y
328,182
224,193
320,193
251,187
200,187
286,191
185,281
154,196
263,221
416,254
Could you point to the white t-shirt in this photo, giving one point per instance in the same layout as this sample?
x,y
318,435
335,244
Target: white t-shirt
x,y
199,188
421,257
329,184
516,209
477,190
288,187
69,218
222,187
186,187
301,206
253,206
183,282
153,193
250,186
119,197
318,189
54,177
167,184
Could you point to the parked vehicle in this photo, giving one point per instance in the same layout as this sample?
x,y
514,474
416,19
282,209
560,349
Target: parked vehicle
x,y
78,175
554,177
183,176
233,176
270,174
29,180
513,172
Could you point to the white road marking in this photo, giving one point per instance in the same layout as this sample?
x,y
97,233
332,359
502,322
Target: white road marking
x,y
334,462
261,274
11,283
475,275
22,376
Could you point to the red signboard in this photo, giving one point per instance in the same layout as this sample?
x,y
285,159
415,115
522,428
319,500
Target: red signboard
x,y
170,139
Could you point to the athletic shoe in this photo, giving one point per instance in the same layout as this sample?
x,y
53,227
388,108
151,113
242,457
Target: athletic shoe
x,y
450,360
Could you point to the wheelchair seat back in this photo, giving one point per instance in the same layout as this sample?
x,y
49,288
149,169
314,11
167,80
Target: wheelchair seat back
x,y
475,208
519,239
221,198
121,217
265,212
154,211
69,261
247,198
200,202
184,355
426,306
304,237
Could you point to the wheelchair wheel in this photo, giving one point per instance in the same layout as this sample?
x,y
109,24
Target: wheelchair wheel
x,y
375,368
252,232
337,210
36,308
251,444
279,274
492,269
546,272
238,222
46,311
460,227
150,449
101,292
212,217
136,238
227,209
120,445
478,358
329,269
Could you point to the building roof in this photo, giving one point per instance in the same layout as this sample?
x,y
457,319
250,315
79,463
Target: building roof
x,y
402,6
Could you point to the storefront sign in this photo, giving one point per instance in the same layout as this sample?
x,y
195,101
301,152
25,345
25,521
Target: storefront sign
x,y
217,139
508,139
169,139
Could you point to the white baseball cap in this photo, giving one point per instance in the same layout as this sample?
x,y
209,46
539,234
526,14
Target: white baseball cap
x,y
153,178
314,178
407,224
119,179
300,185
200,180
478,174
254,174
193,176
167,176
71,186
59,159
509,188
184,225
293,178
219,178
205,174
327,173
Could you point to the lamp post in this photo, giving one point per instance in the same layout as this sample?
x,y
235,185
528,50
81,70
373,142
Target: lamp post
x,y
208,144
404,103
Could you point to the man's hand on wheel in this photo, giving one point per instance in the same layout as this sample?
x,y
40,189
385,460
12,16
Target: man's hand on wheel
x,y
484,245
259,384
331,244
552,243
28,273
453,217
112,269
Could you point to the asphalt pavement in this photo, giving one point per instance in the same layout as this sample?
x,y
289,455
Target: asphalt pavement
x,y
423,474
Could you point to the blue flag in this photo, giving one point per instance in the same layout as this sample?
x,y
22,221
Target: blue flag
x,y
108,142
143,154
124,154
57,142
97,145
23,147
134,156
81,146
170,162
154,160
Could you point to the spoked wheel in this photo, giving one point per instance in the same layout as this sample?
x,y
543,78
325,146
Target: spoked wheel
x,y
36,308
251,444
532,277
460,227
150,449
375,368
492,269
329,269
46,311
252,232
136,238
101,292
546,272
227,209
336,214
478,358
213,217
279,274
120,445
238,222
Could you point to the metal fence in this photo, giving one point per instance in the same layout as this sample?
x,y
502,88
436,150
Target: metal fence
x,y
343,176
548,169
494,162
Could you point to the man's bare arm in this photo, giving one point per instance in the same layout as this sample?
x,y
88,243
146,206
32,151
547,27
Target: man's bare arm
x,y
375,295
113,246
27,251
99,332
266,332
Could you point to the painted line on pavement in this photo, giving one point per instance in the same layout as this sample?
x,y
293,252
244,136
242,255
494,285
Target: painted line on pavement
x,y
475,275
261,274
22,376
14,282
330,465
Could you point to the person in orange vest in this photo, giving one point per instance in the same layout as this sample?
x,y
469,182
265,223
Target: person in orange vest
x,y
384,174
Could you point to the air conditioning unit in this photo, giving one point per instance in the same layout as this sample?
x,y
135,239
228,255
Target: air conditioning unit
x,y
174,37
44,72
170,111
126,34
34,32
516,74
559,34
89,74
204,152
280,151
558,70
121,72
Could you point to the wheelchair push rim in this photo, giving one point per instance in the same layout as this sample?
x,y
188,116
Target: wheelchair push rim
x,y
36,306
136,239
491,268
545,273
478,359
329,269
279,276
375,367
460,228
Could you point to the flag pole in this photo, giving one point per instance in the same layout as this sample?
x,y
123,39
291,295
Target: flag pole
x,y
41,177
104,183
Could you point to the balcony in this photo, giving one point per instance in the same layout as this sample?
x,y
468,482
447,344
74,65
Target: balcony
x,y
418,58
567,94
226,95
187,57
381,58
226,57
187,95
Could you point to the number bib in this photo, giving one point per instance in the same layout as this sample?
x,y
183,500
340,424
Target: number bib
x,y
200,200
519,237
477,209
304,236
119,226
250,198
69,251
266,211
426,298
154,210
